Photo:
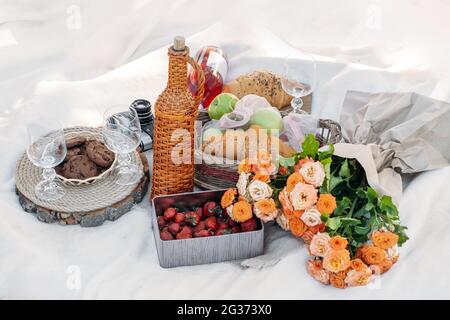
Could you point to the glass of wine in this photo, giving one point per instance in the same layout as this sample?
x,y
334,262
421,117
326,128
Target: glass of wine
x,y
47,148
122,135
299,78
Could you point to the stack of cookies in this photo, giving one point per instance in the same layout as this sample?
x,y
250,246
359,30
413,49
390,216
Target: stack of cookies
x,y
85,159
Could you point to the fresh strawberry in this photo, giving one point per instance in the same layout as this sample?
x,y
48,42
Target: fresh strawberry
x,y
249,225
183,236
180,217
232,223
185,233
161,222
202,233
192,218
199,211
208,208
166,235
201,226
222,232
235,229
169,214
211,223
222,225
174,228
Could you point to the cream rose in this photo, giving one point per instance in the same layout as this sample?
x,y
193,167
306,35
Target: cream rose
x,y
313,173
242,183
230,212
358,278
259,190
393,253
318,273
311,217
320,244
303,197
283,222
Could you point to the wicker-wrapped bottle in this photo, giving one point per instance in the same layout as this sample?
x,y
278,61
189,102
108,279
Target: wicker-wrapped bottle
x,y
175,113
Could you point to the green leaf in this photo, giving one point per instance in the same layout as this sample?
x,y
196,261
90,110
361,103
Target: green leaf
x,y
326,153
362,230
387,205
334,181
333,223
287,162
310,146
350,221
372,195
345,171
369,206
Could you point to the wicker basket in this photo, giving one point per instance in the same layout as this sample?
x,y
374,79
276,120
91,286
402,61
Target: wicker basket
x,y
214,173
94,134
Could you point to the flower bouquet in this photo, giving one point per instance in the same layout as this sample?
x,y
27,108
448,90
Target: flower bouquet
x,y
351,232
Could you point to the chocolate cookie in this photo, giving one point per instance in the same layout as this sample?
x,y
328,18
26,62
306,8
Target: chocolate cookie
x,y
99,153
79,167
74,142
72,152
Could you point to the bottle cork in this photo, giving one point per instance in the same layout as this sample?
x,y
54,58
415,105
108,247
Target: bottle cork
x,y
179,43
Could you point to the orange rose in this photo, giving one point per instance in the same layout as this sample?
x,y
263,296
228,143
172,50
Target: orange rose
x,y
326,203
261,177
318,228
336,260
384,266
338,243
384,239
298,213
307,236
266,210
242,211
357,264
298,227
228,197
373,255
292,181
245,166
288,209
337,281
282,171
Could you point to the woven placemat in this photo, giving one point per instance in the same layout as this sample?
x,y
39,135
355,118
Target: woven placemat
x,y
86,198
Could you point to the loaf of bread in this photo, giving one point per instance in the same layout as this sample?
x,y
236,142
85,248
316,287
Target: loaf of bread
x,y
238,144
261,83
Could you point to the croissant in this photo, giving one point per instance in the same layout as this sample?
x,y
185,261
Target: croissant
x,y
262,83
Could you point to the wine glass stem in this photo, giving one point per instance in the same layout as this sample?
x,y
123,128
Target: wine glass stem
x,y
297,104
123,159
49,174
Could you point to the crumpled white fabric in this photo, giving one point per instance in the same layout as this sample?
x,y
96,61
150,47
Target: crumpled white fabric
x,y
394,133
80,72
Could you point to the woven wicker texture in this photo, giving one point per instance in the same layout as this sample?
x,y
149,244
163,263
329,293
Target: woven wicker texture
x,y
84,198
175,111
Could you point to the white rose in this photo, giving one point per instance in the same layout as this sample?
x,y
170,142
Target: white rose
x,y
283,222
320,245
311,217
259,190
393,252
230,212
242,184
313,173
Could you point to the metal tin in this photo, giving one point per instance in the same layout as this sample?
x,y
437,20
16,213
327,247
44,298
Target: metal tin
x,y
188,252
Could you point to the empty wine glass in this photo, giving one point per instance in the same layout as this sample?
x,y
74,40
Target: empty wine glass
x,y
299,78
122,134
46,150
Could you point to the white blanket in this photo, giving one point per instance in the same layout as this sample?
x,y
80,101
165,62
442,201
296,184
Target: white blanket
x,y
54,61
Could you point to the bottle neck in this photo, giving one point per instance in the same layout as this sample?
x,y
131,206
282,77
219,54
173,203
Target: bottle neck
x,y
177,70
